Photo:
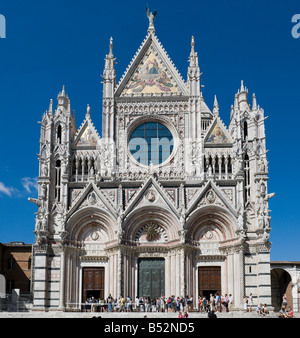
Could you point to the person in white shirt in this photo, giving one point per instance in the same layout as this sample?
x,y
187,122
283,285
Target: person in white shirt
x,y
250,302
230,304
137,303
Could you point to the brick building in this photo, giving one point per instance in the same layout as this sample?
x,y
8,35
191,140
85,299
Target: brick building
x,y
15,266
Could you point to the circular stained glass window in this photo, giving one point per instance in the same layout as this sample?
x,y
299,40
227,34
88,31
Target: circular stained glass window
x,y
151,142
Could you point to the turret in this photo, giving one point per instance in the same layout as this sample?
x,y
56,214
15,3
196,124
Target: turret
x,y
109,85
194,129
242,97
194,74
216,107
57,132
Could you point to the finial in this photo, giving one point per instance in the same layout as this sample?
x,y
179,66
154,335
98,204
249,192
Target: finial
x,y
242,86
111,46
216,107
236,101
63,93
151,17
51,107
193,43
69,106
254,104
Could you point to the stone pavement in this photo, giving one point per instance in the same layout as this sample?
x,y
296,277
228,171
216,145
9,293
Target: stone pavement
x,y
61,314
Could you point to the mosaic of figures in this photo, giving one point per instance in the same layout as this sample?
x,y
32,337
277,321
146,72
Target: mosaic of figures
x,y
151,77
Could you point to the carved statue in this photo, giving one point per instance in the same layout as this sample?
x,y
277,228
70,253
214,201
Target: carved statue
x,y
150,16
182,234
45,170
36,201
241,217
268,196
262,167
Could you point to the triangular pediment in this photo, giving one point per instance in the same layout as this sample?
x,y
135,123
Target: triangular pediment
x,y
151,73
151,194
92,196
87,135
217,134
210,194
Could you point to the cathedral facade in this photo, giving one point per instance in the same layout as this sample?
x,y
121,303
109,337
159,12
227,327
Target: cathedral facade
x,y
168,201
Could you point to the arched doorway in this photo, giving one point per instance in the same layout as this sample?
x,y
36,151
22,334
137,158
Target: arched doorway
x,y
281,283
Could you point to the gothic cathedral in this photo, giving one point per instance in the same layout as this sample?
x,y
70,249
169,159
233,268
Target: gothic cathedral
x,y
168,200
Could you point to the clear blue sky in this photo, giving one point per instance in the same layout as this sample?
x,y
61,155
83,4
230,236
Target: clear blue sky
x,y
51,43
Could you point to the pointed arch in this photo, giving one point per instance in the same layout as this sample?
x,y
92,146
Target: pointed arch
x,y
83,221
164,218
211,218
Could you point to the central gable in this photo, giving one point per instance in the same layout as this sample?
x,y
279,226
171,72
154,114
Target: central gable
x,y
152,73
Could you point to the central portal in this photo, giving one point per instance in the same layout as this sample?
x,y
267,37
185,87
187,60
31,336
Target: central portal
x,y
151,277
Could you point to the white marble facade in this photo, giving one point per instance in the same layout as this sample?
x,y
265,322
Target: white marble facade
x,y
201,202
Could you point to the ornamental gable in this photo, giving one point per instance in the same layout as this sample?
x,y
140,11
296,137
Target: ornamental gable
x,y
217,134
151,73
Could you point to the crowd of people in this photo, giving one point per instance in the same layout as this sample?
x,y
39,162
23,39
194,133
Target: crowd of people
x,y
248,303
285,312
140,304
182,305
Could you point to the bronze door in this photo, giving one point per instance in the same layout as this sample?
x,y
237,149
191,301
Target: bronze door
x,y
209,280
93,283
151,277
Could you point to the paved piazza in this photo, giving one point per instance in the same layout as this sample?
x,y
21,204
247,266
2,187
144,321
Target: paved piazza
x,y
129,315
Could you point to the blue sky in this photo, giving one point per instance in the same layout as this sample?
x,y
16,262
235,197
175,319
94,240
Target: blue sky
x,y
53,43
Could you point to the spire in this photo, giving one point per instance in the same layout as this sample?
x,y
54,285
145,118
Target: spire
x,y
51,107
236,102
216,107
194,74
110,59
63,99
193,45
111,47
193,55
109,73
242,97
242,86
151,16
254,103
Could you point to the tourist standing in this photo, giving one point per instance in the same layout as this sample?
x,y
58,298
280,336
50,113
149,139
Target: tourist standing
x,y
250,302
245,303
211,301
137,304
162,303
230,303
177,301
284,301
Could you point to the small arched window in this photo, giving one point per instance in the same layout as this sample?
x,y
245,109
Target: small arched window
x,y
57,180
247,177
245,130
58,136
